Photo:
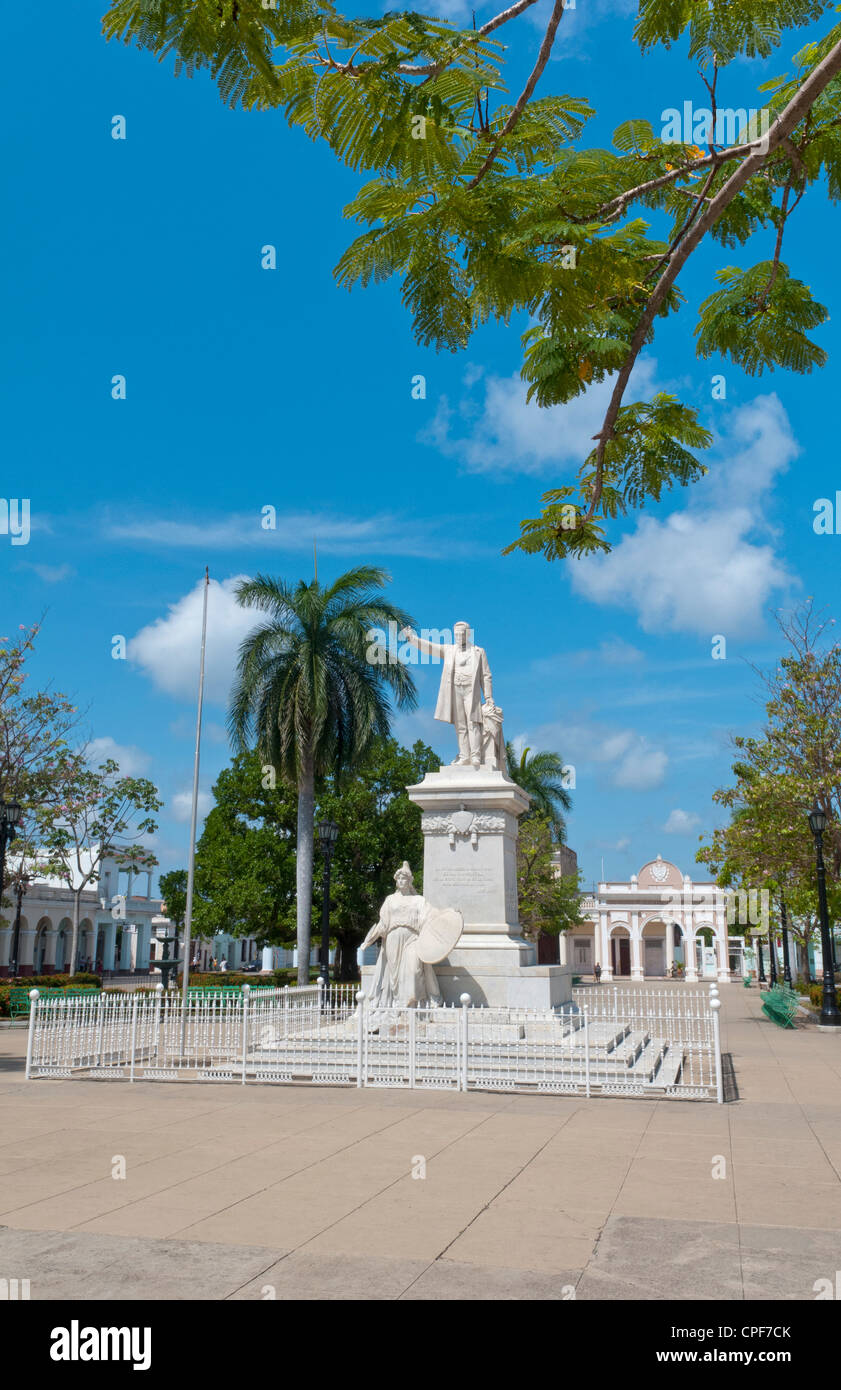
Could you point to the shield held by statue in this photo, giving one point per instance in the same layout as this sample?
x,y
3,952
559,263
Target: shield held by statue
x,y
439,934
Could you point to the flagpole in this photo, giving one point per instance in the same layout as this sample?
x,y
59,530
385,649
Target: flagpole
x,y
191,870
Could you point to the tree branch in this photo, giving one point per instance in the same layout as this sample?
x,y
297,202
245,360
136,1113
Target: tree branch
x,y
807,94
504,16
775,264
698,203
617,205
525,95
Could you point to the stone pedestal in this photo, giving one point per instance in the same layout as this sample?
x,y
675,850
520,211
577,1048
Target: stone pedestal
x,y
470,832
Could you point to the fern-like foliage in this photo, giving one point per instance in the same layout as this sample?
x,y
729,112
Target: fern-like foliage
x,y
760,318
651,450
724,29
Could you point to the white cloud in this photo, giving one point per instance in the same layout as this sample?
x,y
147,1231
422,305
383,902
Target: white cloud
x,y
698,570
181,805
681,822
613,651
688,573
506,433
631,758
168,649
456,11
52,574
132,761
579,24
381,534
638,763
755,446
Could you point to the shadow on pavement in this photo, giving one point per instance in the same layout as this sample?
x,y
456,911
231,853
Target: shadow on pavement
x,y
728,1075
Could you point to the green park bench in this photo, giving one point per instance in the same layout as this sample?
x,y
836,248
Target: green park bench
x,y
212,991
19,1001
780,1004
215,991
746,981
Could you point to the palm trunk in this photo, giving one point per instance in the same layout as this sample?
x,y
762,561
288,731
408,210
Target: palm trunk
x,y
303,866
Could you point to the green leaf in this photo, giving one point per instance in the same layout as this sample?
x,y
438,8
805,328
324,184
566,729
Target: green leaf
x,y
759,319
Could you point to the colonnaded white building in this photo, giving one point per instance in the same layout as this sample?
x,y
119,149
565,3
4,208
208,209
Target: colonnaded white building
x,y
120,931
657,920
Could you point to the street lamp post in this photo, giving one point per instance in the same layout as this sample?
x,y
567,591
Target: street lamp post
x,y
784,930
328,834
757,941
830,1013
772,957
20,889
9,821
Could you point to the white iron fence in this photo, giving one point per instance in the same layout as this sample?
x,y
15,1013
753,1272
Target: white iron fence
x,y
608,1041
668,1037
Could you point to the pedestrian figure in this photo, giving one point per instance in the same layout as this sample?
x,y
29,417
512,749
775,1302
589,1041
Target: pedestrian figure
x,y
598,973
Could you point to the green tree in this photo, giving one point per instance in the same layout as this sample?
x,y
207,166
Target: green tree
x,y
487,208
245,858
173,886
99,815
765,849
549,901
309,691
379,827
544,777
25,861
34,727
780,773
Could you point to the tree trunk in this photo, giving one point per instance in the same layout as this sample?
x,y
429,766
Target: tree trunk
x,y
348,969
74,948
303,866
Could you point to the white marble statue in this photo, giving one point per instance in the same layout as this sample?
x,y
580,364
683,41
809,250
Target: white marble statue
x,y
465,680
493,739
400,976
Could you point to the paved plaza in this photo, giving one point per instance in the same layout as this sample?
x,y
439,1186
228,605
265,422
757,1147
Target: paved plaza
x,y
239,1192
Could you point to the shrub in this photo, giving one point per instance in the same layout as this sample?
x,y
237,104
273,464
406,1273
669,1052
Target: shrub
x,y
816,996
236,977
42,982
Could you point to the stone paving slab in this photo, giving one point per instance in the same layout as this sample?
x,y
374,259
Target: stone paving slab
x,y
232,1192
65,1265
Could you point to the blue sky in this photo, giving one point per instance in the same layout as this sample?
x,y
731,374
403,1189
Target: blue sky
x,y
248,387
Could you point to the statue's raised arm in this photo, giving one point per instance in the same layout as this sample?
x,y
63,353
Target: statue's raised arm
x,y
422,643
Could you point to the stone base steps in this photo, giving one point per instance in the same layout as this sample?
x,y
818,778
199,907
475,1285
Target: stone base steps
x,y
531,1052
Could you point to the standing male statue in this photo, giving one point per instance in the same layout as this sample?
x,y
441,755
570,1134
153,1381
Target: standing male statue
x,y
465,679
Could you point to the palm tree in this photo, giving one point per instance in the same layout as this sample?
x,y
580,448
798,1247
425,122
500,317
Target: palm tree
x,y
542,776
308,690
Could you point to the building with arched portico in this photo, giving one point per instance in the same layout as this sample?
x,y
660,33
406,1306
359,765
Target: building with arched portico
x,y
657,924
119,929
